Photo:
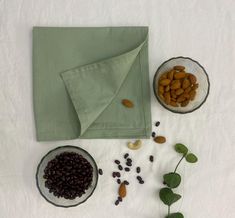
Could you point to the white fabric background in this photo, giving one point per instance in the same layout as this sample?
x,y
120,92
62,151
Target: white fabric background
x,y
201,29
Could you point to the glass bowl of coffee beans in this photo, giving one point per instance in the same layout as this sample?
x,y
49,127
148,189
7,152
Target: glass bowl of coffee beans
x,y
181,85
67,176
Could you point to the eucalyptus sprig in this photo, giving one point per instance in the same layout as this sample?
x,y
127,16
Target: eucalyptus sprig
x,y
172,180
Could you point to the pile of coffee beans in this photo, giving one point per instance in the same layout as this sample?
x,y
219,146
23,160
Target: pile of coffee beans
x,y
68,175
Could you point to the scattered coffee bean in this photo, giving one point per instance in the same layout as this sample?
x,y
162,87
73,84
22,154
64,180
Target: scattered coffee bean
x,y
114,174
117,161
116,202
126,155
120,167
100,171
164,183
153,134
129,164
141,181
129,160
118,174
138,169
151,158
127,169
118,181
139,178
126,182
157,123
119,199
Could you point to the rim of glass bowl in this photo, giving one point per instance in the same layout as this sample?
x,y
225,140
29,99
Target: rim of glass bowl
x,y
174,111
68,146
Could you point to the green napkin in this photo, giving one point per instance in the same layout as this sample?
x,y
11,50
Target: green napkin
x,y
81,75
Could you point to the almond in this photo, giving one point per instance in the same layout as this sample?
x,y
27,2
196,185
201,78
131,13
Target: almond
x,y
122,190
167,88
192,78
161,89
184,103
186,95
161,96
179,67
164,82
175,84
195,86
187,90
170,75
186,83
160,139
127,103
179,75
174,104
163,76
180,99
179,91
167,97
173,95
192,94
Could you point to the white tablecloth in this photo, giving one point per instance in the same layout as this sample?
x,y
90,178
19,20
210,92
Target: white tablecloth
x,y
201,29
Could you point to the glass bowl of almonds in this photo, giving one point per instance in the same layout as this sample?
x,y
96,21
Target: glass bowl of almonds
x,y
181,85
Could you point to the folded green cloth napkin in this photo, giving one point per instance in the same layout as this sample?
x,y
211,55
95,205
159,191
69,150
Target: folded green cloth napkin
x,y
81,75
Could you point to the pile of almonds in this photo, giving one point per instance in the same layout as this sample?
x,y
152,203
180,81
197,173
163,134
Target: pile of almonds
x,y
177,87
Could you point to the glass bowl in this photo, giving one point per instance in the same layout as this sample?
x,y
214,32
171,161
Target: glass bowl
x,y
193,67
62,202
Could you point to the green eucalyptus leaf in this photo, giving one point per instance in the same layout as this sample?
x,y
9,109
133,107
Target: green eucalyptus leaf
x,y
180,148
168,197
191,158
172,180
175,215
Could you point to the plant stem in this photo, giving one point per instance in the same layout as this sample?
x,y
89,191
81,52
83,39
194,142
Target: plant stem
x,y
179,163
169,210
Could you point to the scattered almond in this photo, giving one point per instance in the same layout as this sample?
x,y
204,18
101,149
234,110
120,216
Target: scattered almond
x,y
127,103
160,139
122,190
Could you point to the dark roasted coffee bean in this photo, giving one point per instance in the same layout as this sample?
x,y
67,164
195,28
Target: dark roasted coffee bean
x,y
126,182
120,167
164,183
127,169
118,181
141,181
153,134
151,158
117,161
128,164
139,178
116,202
118,174
138,169
100,171
128,160
126,155
119,199
157,124
114,174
